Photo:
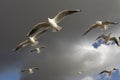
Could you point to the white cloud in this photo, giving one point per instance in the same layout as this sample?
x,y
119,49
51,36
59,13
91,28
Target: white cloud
x,y
88,78
95,60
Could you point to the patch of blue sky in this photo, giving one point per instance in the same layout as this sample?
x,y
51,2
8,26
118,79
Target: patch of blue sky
x,y
101,41
13,74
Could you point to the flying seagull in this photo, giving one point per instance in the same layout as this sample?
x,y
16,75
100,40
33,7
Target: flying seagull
x,y
107,72
108,38
52,22
30,70
102,24
38,50
32,40
79,72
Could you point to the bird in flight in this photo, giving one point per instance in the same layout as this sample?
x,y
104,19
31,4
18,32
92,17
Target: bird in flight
x,y
30,70
32,40
53,23
108,38
102,24
107,72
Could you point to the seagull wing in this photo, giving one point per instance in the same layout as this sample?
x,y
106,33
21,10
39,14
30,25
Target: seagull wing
x,y
22,44
105,71
25,70
110,22
101,36
37,27
115,40
38,34
90,28
64,13
33,50
43,47
36,68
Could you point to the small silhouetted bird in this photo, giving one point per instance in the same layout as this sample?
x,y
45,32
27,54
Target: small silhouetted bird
x,y
30,70
107,72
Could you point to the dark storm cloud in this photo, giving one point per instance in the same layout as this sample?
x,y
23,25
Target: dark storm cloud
x,y
18,16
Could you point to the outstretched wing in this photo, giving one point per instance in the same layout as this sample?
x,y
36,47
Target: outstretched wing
x,y
25,70
38,34
64,13
110,22
43,47
101,36
105,71
33,50
36,68
90,28
37,27
21,45
115,40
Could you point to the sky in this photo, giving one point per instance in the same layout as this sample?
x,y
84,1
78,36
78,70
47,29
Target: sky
x,y
67,51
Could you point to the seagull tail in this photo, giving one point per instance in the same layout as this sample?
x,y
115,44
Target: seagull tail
x,y
56,29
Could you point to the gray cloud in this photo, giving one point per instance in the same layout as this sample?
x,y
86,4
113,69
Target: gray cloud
x,y
59,60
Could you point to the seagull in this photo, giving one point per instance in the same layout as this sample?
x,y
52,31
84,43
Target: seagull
x,y
30,70
52,22
37,49
102,24
32,40
107,72
108,38
79,72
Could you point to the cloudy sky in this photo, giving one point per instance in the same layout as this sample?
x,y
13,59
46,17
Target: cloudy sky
x,y
67,52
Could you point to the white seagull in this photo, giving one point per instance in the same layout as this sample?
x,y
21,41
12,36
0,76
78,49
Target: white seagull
x,y
31,40
30,70
38,49
52,22
108,38
102,24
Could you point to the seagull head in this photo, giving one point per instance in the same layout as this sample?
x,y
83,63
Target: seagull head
x,y
99,22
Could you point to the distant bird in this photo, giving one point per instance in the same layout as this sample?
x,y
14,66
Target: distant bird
x,y
30,70
79,73
108,38
107,72
102,24
38,50
31,40
52,22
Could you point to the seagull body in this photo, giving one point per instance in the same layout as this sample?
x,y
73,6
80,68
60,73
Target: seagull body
x,y
31,40
107,72
30,70
53,23
102,24
108,38
38,50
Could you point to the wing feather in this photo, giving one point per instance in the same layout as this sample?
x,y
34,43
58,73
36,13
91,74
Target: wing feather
x,y
37,27
21,45
64,13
